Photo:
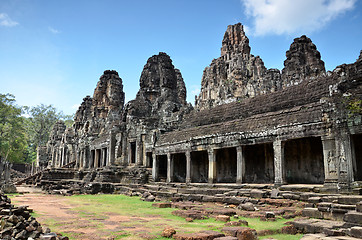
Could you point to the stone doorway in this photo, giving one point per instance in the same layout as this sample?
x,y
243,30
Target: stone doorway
x,y
133,152
226,165
304,161
259,163
105,153
98,157
357,156
179,167
149,159
161,168
199,167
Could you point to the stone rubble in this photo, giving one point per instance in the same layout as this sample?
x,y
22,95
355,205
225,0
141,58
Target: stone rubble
x,y
17,223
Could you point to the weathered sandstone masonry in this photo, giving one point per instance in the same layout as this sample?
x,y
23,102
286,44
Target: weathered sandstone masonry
x,y
250,124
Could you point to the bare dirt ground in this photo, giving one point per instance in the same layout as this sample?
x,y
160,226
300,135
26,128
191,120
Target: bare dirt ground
x,y
57,209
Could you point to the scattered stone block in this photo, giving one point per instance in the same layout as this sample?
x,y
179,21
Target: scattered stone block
x,y
356,232
256,193
289,230
247,234
247,206
222,218
233,223
275,193
269,215
162,205
168,232
312,213
359,206
226,238
314,200
203,235
353,217
232,231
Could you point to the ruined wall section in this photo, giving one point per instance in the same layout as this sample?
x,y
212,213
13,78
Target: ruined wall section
x,y
238,75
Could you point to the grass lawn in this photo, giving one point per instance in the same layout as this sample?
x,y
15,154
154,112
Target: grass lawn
x,y
131,214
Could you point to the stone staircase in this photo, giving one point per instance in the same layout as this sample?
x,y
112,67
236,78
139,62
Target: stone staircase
x,y
333,215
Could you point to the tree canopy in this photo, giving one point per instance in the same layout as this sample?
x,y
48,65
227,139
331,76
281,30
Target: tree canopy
x,y
23,129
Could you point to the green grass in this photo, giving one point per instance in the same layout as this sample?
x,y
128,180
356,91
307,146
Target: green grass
x,y
96,208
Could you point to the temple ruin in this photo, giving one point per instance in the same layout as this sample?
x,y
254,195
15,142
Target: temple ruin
x,y
249,124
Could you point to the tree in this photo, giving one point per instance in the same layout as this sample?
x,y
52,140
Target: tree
x,y
13,137
40,122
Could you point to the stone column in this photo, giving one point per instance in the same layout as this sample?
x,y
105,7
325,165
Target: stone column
x,y
129,153
169,168
154,168
112,149
279,163
212,166
84,158
144,157
139,153
92,158
188,166
124,157
240,164
62,152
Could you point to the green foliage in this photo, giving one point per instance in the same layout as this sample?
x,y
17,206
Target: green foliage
x,y
40,122
23,129
355,106
13,138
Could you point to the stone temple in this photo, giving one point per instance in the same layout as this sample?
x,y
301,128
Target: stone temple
x,y
249,124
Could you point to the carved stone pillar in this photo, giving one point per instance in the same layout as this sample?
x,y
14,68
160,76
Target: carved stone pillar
x,y
154,168
169,168
330,160
212,166
188,166
240,164
279,163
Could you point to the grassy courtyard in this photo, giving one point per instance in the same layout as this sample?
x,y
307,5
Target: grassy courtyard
x,y
121,217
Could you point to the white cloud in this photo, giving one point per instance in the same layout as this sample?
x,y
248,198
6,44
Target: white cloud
x,y
293,16
53,30
6,21
75,106
195,90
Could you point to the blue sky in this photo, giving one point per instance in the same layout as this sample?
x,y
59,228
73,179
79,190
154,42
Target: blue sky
x,y
53,52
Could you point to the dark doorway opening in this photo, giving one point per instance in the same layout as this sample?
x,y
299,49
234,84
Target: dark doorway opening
x,y
93,155
226,165
199,167
304,160
149,158
259,163
179,167
133,152
357,158
104,156
99,160
162,168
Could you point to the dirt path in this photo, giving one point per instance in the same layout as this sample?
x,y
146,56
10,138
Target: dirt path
x,y
62,217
